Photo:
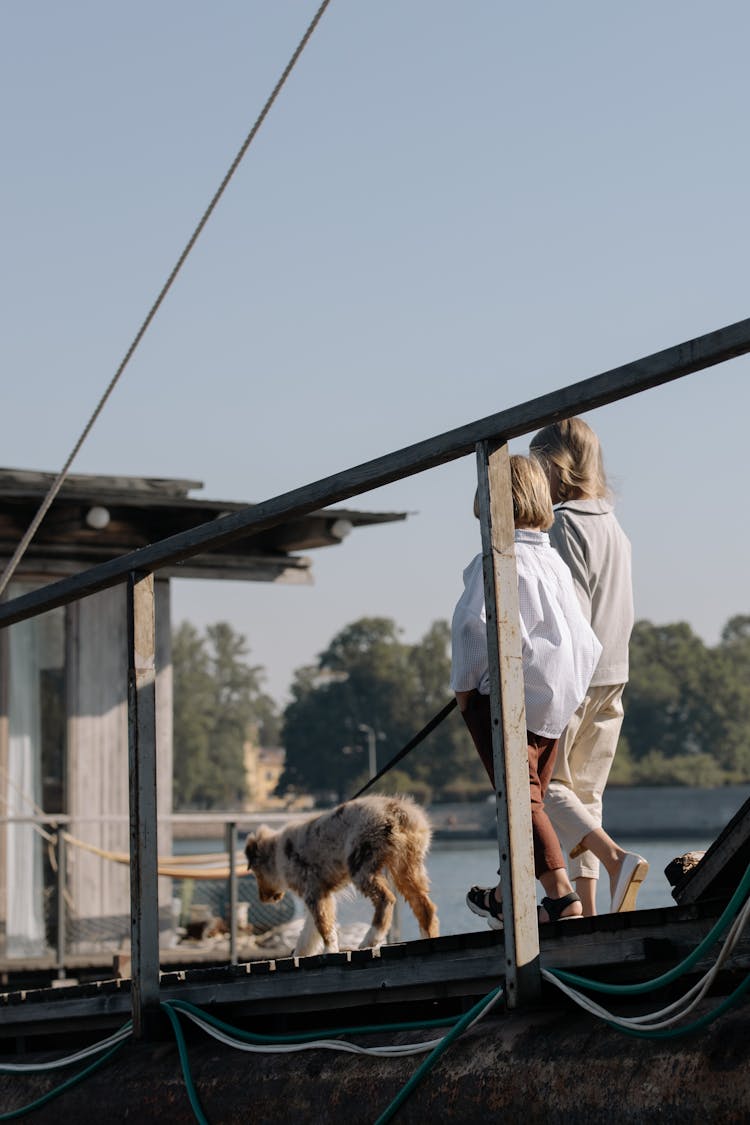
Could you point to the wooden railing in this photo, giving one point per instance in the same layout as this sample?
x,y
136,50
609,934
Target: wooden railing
x,y
487,438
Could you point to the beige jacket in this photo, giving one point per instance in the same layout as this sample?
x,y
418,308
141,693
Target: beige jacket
x,y
590,540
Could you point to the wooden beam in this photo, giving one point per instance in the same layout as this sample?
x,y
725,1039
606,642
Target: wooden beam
x,y
144,895
639,946
510,755
610,386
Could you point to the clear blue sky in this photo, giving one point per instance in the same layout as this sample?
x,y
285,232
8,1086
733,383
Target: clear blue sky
x,y
451,209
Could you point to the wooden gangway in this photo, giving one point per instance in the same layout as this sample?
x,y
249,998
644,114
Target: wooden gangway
x,y
442,972
518,958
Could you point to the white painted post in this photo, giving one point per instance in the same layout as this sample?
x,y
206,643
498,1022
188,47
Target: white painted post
x,y
510,755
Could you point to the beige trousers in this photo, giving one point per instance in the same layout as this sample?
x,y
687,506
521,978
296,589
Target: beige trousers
x,y
584,758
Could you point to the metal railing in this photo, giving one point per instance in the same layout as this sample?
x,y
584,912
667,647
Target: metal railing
x,y
63,929
487,438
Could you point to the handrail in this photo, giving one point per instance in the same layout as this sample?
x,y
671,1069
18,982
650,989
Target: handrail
x,y
199,818
598,390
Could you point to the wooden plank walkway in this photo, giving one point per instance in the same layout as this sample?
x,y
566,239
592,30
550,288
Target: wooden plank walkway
x,y
623,947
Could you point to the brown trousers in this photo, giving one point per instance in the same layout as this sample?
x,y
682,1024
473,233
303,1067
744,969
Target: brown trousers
x,y
542,753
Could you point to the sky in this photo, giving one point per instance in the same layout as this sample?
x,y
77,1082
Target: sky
x,y
451,209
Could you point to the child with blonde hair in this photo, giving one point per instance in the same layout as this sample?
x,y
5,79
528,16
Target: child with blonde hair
x,y
589,539
559,653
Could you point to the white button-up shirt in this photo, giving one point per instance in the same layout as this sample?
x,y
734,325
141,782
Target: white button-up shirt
x,y
558,647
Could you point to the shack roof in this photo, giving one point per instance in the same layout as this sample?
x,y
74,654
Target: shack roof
x,y
96,518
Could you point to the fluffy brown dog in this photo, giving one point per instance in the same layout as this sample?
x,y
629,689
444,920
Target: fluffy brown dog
x,y
354,843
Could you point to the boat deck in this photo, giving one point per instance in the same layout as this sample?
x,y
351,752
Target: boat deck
x,y
443,971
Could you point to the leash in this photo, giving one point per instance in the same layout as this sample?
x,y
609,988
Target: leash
x,y
435,721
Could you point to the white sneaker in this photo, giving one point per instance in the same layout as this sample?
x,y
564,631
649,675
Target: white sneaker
x,y
634,871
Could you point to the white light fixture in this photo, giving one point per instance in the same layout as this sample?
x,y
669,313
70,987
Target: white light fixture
x,y
341,528
97,517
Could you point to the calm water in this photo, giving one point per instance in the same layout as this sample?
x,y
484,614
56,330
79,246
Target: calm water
x,y
455,866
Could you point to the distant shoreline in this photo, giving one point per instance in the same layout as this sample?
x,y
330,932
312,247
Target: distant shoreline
x,y
655,812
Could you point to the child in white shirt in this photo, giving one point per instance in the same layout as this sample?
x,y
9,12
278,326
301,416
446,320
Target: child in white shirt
x,y
559,654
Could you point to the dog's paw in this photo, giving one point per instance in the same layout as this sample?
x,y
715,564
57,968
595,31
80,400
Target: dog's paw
x,y
308,948
373,939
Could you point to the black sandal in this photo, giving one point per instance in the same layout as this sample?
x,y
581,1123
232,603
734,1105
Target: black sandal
x,y
482,901
555,907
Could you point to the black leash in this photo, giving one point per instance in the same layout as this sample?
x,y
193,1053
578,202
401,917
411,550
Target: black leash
x,y
434,722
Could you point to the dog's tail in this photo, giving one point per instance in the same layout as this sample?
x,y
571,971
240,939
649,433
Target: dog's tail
x,y
410,820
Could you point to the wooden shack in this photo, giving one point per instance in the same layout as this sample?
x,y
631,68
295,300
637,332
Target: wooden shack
x,y
63,706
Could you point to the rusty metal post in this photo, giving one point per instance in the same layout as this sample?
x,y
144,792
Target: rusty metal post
x,y
144,893
510,755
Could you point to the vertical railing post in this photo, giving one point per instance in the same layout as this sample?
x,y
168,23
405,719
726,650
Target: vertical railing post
x,y
144,888
231,844
510,755
61,863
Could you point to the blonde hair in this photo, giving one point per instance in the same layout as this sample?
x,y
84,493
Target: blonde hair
x,y
574,449
532,503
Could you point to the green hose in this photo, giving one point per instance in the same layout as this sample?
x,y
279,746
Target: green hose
x,y
14,1113
710,939
306,1036
192,1094
433,1057
171,1007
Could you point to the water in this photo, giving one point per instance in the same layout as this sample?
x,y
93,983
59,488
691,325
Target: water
x,y
455,865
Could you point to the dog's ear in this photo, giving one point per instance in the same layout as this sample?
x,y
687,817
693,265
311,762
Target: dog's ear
x,y
251,850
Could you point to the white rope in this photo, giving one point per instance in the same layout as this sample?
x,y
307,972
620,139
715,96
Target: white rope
x,y
674,1013
391,1050
54,1064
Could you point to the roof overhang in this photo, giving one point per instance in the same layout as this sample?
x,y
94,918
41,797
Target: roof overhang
x,y
97,518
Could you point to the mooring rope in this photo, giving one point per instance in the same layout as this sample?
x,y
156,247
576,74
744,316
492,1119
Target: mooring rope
x,y
203,866
60,478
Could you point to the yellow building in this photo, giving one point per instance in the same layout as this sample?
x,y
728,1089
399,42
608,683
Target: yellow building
x,y
264,766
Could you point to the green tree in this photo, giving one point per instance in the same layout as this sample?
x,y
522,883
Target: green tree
x,y
368,676
668,699
448,762
218,702
732,698
687,707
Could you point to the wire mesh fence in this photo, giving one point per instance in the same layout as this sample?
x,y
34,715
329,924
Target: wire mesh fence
x,y
75,901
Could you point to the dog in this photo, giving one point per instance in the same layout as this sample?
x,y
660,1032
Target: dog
x,y
357,842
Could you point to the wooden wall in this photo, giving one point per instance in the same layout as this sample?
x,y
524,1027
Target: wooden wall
x,y
97,775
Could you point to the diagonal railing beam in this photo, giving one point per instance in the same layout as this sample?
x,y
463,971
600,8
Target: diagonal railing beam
x,y
599,390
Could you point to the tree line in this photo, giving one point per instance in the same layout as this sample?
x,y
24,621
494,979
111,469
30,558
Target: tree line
x,y
687,714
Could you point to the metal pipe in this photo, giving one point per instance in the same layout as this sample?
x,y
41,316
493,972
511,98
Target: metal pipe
x,y
60,886
230,837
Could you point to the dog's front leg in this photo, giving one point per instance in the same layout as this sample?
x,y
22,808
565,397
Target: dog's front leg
x,y
309,942
323,911
382,898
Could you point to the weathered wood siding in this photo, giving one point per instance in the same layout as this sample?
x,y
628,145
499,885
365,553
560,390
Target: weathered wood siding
x,y
97,782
